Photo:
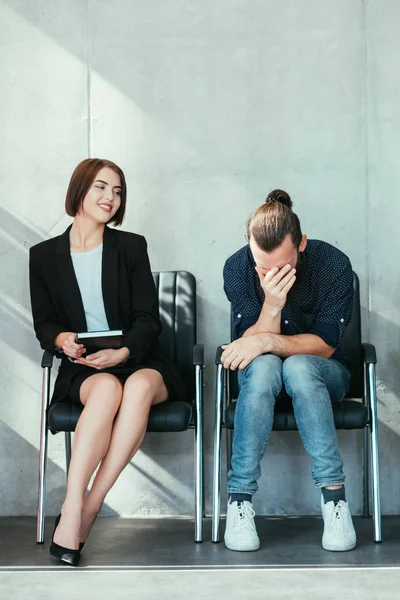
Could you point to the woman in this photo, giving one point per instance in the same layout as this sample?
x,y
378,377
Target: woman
x,y
93,278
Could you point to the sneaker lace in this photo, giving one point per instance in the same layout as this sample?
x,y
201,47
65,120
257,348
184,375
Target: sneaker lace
x,y
243,513
337,521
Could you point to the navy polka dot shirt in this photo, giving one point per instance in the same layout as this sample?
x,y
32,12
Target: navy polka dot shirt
x,y
322,305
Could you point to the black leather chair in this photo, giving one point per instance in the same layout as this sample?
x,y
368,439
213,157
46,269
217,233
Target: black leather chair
x,y
357,411
177,300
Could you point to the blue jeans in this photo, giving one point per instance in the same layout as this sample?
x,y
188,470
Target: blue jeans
x,y
313,383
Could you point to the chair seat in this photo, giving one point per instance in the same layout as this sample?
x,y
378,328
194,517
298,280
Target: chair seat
x,y
173,415
348,414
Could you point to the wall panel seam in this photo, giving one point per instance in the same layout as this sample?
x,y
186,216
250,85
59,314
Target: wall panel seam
x,y
88,79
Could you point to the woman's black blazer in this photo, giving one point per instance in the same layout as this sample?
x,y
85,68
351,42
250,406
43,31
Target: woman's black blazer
x,y
129,294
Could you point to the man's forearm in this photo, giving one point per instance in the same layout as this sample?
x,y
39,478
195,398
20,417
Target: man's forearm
x,y
289,345
268,322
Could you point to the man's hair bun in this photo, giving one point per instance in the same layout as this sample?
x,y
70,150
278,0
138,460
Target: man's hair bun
x,y
279,196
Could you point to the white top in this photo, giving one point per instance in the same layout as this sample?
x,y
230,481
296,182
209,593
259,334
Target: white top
x,y
87,267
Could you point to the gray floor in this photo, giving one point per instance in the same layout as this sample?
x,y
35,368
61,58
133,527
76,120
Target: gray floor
x,y
365,584
137,544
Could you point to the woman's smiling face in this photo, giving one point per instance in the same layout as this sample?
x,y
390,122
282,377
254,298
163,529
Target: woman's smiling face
x,y
103,198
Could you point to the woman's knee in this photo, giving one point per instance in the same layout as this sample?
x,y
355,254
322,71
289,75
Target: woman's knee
x,y
102,386
146,387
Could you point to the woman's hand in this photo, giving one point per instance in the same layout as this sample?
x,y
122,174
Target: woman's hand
x,y
104,359
66,342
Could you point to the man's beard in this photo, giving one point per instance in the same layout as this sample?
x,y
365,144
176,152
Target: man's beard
x,y
295,289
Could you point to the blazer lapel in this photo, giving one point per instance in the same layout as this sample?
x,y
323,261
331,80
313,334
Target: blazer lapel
x,y
71,294
109,281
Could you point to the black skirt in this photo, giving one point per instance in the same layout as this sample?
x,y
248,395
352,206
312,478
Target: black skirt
x,y
122,373
71,376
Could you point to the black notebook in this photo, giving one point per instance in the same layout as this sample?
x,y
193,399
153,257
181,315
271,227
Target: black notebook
x,y
100,340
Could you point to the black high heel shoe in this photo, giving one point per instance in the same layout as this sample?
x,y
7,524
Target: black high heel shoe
x,y
66,555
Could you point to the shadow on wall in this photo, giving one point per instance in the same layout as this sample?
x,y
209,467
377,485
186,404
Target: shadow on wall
x,y
19,496
21,234
194,35
16,327
163,494
385,334
389,452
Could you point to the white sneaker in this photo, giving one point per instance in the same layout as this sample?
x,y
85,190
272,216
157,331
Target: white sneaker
x,y
339,534
240,531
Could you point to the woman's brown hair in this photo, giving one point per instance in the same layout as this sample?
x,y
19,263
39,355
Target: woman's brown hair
x,y
82,180
273,221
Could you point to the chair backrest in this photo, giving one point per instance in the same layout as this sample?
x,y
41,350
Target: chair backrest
x,y
177,300
351,347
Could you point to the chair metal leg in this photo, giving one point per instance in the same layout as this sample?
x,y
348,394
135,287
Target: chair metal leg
x,y
375,453
43,456
229,432
216,512
229,438
68,447
366,467
199,470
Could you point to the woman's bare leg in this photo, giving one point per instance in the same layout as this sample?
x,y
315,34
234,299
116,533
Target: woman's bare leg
x,y
141,390
101,395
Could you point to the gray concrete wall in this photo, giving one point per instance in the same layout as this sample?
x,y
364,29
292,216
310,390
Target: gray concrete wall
x,y
206,106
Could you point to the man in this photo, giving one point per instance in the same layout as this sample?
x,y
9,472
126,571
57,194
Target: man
x,y
291,302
